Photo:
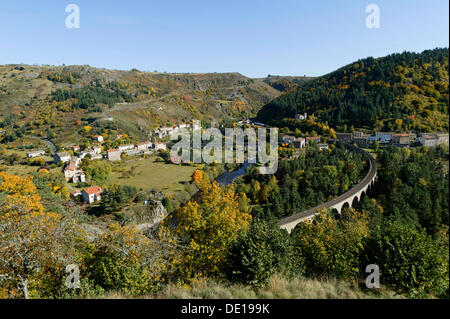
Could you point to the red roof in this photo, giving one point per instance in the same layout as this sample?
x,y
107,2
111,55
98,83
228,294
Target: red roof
x,y
113,150
93,190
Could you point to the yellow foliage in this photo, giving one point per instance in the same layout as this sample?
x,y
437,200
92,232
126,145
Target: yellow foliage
x,y
207,225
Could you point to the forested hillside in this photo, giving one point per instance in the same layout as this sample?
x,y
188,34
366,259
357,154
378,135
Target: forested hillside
x,y
407,91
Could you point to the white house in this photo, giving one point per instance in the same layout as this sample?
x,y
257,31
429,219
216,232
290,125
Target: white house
x,y
35,154
114,155
98,138
144,146
92,194
128,147
62,157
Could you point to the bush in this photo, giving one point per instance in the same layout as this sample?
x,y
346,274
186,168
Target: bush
x,y
125,260
332,247
259,253
410,261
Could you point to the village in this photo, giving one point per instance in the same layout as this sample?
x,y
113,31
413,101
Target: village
x,y
73,173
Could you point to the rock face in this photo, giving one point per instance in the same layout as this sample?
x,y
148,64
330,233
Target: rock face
x,y
157,214
157,210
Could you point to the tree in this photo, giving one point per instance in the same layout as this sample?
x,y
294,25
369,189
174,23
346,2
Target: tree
x,y
97,170
124,259
31,239
205,227
259,253
330,246
410,260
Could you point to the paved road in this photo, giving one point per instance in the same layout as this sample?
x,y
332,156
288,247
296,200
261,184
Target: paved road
x,y
46,141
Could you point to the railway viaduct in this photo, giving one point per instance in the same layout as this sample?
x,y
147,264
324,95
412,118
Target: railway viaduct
x,y
348,198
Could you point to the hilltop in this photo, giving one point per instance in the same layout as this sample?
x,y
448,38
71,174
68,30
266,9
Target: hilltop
x,y
407,91
57,101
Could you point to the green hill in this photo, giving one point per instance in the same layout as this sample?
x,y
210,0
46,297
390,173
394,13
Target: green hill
x,y
407,91
60,100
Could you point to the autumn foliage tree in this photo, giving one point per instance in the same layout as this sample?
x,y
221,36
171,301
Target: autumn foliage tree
x,y
205,227
32,240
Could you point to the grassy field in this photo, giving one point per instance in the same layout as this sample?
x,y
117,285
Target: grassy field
x,y
147,173
278,288
20,170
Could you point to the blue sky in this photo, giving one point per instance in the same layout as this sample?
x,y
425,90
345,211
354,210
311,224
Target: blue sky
x,y
253,37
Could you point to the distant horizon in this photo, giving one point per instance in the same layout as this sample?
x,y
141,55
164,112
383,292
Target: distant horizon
x,y
225,72
253,38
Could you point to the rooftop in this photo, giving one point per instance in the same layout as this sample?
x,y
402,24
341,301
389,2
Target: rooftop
x,y
94,190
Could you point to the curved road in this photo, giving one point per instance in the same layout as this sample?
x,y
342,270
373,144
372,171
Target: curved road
x,y
46,141
288,222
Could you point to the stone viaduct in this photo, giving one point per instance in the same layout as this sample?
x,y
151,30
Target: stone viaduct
x,y
347,199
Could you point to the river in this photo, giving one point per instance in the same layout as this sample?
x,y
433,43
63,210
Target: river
x,y
228,177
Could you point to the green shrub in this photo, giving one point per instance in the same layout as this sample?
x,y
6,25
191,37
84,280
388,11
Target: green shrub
x,y
260,252
410,261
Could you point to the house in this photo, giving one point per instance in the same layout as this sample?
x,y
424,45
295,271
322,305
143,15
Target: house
x,y
62,157
381,137
75,160
345,137
442,138
35,154
144,146
119,136
401,140
75,148
315,139
428,140
72,173
160,146
433,139
128,147
323,146
132,152
358,134
182,125
91,194
362,141
114,155
79,177
288,138
299,142
301,117
98,138
70,170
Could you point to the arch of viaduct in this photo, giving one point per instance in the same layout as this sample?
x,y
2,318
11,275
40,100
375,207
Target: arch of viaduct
x,y
346,199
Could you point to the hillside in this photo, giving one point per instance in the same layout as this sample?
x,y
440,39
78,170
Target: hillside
x,y
407,91
59,101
